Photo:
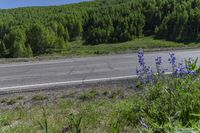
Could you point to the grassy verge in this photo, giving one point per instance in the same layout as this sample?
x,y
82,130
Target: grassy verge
x,y
148,43
93,110
166,106
77,49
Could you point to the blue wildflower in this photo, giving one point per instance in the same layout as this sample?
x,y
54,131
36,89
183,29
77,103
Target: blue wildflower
x,y
161,71
141,58
172,59
192,72
144,73
158,60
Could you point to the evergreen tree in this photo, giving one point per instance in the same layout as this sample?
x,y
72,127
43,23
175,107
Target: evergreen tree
x,y
18,45
3,50
29,52
61,44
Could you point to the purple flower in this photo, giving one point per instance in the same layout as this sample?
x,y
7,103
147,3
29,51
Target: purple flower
x,y
149,77
192,72
163,70
172,59
144,73
159,69
141,58
158,60
180,71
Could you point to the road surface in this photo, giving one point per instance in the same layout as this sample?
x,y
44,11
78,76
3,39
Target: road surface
x,y
76,70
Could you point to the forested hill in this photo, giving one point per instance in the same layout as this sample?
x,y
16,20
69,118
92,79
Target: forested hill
x,y
25,32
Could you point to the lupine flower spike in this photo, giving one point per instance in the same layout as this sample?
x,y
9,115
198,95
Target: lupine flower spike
x,y
144,73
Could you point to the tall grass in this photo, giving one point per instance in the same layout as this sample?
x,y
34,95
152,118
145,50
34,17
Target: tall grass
x,y
44,120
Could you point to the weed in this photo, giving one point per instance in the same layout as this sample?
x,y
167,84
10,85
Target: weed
x,y
89,95
116,94
39,98
116,126
20,98
70,95
75,123
44,122
9,101
4,100
105,93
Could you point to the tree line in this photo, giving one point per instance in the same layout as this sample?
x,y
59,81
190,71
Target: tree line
x,y
26,32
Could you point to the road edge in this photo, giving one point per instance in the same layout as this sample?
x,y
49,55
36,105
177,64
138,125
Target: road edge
x,y
123,80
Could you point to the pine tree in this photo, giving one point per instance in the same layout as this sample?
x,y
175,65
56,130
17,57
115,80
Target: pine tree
x,y
29,52
3,50
18,50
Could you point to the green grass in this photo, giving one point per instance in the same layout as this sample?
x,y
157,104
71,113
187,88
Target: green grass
x,y
9,101
170,105
88,95
39,98
77,48
148,43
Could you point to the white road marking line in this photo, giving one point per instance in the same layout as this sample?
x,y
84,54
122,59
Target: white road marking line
x,y
67,83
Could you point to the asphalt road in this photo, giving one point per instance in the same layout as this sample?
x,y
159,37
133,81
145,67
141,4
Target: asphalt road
x,y
76,70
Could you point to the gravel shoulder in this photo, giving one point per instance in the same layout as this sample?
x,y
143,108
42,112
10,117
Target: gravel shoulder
x,y
12,99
